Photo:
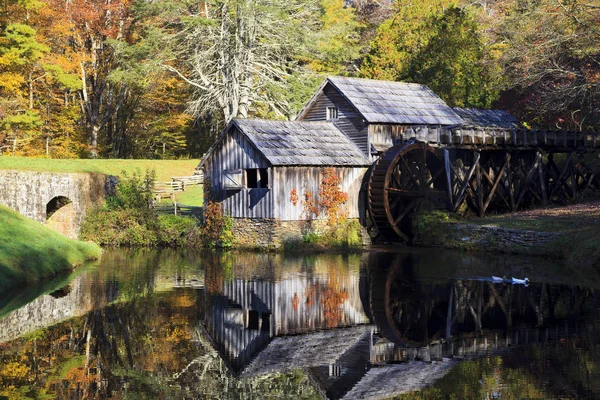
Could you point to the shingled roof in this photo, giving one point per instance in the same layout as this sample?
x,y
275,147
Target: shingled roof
x,y
301,143
394,102
487,118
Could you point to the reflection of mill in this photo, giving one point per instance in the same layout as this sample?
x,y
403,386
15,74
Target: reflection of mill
x,y
430,320
419,327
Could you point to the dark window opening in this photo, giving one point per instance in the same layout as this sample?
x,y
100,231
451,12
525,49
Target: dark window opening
x,y
332,113
264,177
257,178
55,204
266,321
252,178
253,320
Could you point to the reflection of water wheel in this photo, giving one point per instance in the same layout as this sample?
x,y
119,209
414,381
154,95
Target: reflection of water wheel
x,y
402,178
397,303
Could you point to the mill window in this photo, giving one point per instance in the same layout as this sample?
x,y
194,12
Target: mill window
x,y
332,113
257,178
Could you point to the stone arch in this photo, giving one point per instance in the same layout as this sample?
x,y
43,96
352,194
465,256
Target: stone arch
x,y
61,216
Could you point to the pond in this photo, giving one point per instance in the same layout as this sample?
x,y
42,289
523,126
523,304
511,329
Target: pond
x,y
412,323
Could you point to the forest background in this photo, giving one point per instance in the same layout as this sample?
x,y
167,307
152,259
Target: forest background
x,y
161,78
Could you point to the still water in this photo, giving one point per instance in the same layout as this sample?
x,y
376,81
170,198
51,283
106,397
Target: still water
x,y
407,324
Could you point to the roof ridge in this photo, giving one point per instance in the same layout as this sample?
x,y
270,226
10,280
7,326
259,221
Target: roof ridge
x,y
376,80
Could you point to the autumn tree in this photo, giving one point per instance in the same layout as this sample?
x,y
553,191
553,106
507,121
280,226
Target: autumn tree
x,y
552,62
88,25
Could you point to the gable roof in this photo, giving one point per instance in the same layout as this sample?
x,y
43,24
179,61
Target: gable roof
x,y
301,143
392,102
487,118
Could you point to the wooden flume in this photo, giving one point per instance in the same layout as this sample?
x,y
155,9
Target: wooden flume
x,y
489,170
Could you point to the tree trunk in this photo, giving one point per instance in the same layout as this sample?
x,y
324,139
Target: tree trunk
x,y
94,140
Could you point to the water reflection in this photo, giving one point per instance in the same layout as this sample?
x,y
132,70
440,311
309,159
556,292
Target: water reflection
x,y
210,325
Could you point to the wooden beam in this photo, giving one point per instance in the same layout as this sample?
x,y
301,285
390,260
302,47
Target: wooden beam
x,y
466,181
498,179
528,179
448,177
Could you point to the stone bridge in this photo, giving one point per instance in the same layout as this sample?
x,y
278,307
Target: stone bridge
x,y
58,200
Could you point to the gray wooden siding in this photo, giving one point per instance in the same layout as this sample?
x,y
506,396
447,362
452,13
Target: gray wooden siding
x,y
349,119
384,135
305,179
236,152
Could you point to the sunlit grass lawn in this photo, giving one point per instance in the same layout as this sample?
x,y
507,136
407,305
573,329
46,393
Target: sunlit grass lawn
x,y
164,170
29,251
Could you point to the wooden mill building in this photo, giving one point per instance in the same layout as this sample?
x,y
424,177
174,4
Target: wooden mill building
x,y
414,148
255,165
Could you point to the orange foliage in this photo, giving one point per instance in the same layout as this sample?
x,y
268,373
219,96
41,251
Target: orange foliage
x,y
294,196
295,302
331,197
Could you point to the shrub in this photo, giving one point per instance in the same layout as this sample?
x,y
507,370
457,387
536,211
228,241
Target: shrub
x,y
129,219
217,228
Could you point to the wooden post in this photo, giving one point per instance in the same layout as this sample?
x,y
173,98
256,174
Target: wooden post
x,y
448,177
542,180
571,166
509,180
479,188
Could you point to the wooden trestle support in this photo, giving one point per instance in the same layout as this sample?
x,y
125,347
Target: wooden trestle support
x,y
410,175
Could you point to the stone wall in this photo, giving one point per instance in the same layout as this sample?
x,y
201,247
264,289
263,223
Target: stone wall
x,y
487,238
274,233
29,193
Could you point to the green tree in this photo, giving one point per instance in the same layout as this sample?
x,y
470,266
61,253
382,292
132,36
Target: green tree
x,y
440,46
400,38
337,45
20,54
454,63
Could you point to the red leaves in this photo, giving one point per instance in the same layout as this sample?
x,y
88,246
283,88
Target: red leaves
x,y
331,198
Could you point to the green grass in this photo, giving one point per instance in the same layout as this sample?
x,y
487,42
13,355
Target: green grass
x,y
165,169
29,251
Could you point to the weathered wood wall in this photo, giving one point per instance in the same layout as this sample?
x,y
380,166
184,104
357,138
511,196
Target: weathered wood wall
x,y
236,152
304,179
381,135
349,121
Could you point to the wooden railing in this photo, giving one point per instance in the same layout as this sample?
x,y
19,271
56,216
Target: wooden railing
x,y
167,190
504,138
188,180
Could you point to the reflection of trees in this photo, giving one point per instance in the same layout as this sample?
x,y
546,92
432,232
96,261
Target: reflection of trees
x,y
100,354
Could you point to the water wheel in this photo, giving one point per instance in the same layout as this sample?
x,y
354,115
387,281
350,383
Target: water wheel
x,y
402,179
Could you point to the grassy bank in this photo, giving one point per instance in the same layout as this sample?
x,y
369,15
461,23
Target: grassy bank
x,y
576,229
30,252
